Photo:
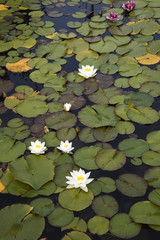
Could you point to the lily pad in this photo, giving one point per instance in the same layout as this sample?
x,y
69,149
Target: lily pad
x,y
17,222
145,212
98,225
105,205
34,170
110,159
133,147
152,177
42,206
76,235
97,116
61,119
75,199
85,157
131,185
122,226
143,115
60,217
31,108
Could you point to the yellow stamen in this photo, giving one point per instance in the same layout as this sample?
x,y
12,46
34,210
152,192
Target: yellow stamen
x,y
88,69
66,145
80,177
38,146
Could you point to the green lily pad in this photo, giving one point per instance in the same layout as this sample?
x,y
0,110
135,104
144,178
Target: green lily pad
x,y
103,47
79,15
10,150
76,235
143,115
110,159
50,68
42,206
153,139
98,225
85,157
152,177
154,197
131,185
140,99
86,135
61,171
61,120
125,127
107,184
153,88
120,31
97,116
64,134
105,134
31,108
145,212
105,205
60,217
75,199
76,224
17,222
151,158
133,147
34,170
74,24
122,226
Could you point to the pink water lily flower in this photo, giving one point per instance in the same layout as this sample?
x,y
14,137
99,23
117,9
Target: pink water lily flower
x,y
113,16
129,5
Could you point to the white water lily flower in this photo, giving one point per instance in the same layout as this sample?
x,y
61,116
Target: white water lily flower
x,y
37,147
87,71
79,179
66,146
67,107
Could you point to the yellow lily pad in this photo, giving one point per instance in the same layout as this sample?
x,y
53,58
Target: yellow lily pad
x,y
2,187
3,7
148,59
20,66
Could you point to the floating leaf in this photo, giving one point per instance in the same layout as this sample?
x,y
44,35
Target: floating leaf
x,y
154,197
85,157
105,134
98,225
151,158
131,185
20,66
97,116
76,224
110,159
60,217
75,199
152,177
145,212
143,115
10,150
31,108
17,222
121,225
42,206
34,170
107,184
105,205
133,147
148,59
153,139
125,127
76,235
61,119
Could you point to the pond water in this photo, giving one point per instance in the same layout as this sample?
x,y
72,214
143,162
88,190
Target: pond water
x,y
55,52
